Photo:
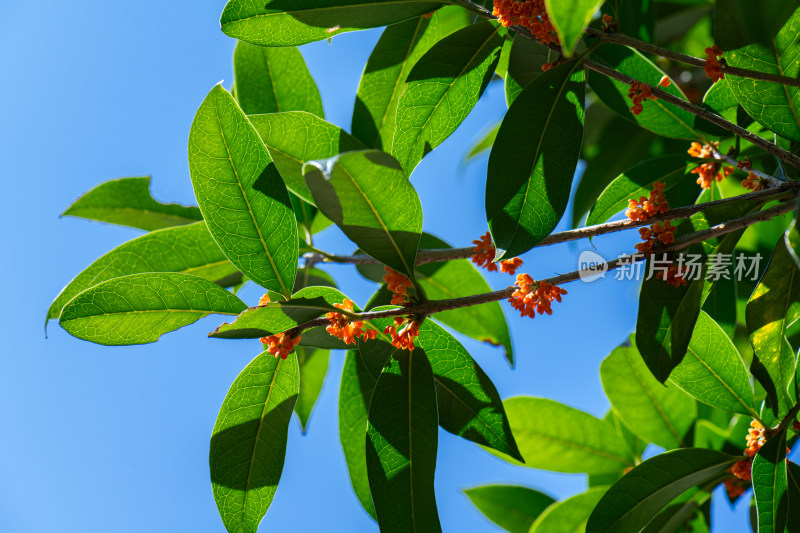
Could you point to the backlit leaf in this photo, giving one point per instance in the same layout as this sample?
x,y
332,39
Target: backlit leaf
x,y
313,367
570,19
770,485
242,197
569,515
511,507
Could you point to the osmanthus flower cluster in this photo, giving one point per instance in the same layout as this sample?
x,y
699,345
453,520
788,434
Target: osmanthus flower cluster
x,y
713,170
398,284
713,66
531,297
530,14
484,253
346,330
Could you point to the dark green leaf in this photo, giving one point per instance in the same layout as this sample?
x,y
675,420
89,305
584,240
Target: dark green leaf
x,y
248,444
737,23
771,104
313,367
186,249
511,507
271,80
792,240
770,485
534,159
398,50
657,414
367,195
721,304
139,308
276,317
355,393
641,493
295,22
127,202
570,19
525,62
442,88
636,182
570,515
553,436
720,99
469,405
294,138
401,445
636,18
713,371
243,200
658,116
773,306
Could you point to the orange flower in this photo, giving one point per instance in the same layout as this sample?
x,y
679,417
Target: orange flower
x,y
281,345
484,253
404,339
703,151
713,66
528,301
753,182
673,276
639,92
342,328
609,26
709,172
510,266
744,165
664,81
530,14
655,234
398,284
755,438
645,208
264,300
734,488
743,469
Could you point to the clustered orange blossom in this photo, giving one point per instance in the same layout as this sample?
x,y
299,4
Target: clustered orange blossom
x,y
609,25
529,300
713,170
343,329
530,14
483,256
656,233
713,66
640,92
645,208
674,275
398,284
404,338
264,300
755,440
281,344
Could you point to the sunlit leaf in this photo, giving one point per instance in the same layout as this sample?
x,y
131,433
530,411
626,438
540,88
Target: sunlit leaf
x,y
511,507
313,368
570,19
569,515
770,485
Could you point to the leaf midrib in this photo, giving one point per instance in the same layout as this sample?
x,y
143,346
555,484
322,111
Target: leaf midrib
x,y
571,444
733,393
275,270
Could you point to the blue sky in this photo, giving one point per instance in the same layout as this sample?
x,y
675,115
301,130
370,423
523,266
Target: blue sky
x,y
99,439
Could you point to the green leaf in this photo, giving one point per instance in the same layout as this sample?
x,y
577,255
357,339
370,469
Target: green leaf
x,y
737,24
720,99
636,18
243,200
641,493
367,195
398,50
658,116
296,22
713,371
296,137
355,394
570,19
721,304
483,144
771,104
793,481
139,308
773,306
127,202
555,437
511,507
186,249
770,485
468,403
534,159
657,414
570,515
248,444
636,182
525,65
401,445
442,88
667,314
271,80
313,367
792,240
276,317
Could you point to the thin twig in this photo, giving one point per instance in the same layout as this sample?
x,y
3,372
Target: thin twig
x,y
626,40
426,256
437,306
769,147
